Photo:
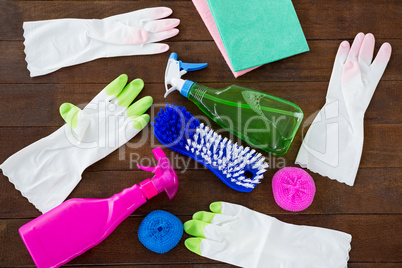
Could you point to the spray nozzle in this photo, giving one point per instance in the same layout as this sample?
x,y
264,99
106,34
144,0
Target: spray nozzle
x,y
175,69
165,178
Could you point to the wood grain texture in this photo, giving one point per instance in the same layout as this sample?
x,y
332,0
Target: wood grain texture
x,y
222,265
371,241
366,197
380,150
345,19
315,65
370,210
47,98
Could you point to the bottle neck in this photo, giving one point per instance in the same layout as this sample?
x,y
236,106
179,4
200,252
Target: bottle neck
x,y
123,204
186,87
197,92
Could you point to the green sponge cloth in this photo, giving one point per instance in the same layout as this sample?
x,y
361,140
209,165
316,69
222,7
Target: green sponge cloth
x,y
256,32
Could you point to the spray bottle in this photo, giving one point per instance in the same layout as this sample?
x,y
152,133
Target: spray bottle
x,y
264,121
77,225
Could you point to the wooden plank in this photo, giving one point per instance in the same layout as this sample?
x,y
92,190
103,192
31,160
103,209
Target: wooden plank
x,y
181,265
370,210
315,65
375,239
374,265
19,100
220,265
378,151
317,18
223,265
199,188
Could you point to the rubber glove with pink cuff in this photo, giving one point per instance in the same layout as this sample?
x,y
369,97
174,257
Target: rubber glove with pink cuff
x,y
54,44
333,144
240,236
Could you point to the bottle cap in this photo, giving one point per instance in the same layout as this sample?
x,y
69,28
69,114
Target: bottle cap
x,y
165,178
174,70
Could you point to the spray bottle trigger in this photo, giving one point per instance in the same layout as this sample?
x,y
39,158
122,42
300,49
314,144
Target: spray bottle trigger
x,y
151,169
173,56
170,90
165,178
188,67
175,69
159,154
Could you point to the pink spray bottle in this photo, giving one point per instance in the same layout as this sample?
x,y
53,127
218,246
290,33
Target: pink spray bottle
x,y
77,225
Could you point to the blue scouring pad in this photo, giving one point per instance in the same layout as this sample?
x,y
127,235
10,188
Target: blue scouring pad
x,y
160,231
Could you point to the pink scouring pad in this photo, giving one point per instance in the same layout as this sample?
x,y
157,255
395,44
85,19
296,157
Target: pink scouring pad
x,y
293,189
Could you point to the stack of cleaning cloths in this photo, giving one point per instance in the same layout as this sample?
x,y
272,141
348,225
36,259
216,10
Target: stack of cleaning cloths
x,y
254,32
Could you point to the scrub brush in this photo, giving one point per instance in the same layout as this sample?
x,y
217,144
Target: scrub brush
x,y
240,168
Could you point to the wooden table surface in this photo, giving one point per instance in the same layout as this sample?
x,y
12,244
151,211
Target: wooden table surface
x,y
370,211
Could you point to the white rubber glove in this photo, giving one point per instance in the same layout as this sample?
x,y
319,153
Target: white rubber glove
x,y
54,44
48,170
334,142
240,236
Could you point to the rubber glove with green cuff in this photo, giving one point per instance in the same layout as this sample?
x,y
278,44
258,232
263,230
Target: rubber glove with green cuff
x,y
48,170
240,236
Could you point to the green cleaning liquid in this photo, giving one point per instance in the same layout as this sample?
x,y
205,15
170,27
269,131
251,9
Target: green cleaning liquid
x,y
264,121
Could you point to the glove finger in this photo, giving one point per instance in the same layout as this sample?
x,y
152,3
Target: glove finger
x,y
213,218
130,92
340,59
354,50
195,228
154,13
69,112
130,50
117,33
134,18
222,220
141,121
381,60
161,25
204,247
156,37
342,53
140,106
76,119
204,216
367,49
116,86
194,244
205,230
216,207
226,208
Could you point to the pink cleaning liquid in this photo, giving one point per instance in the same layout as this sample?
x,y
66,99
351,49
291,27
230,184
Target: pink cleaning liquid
x,y
77,225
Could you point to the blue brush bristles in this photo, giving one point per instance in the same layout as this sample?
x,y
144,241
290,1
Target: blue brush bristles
x,y
160,231
238,167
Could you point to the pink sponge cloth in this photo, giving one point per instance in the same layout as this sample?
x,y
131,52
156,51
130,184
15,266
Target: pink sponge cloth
x,y
293,189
